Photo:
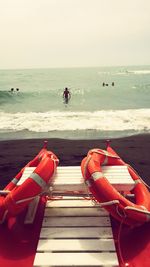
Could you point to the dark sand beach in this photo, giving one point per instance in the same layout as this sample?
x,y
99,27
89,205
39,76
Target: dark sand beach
x,y
14,154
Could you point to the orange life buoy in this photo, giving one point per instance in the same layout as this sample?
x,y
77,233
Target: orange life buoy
x,y
118,206
13,183
20,196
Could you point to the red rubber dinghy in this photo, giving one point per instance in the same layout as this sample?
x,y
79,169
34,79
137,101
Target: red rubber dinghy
x,y
131,213
16,198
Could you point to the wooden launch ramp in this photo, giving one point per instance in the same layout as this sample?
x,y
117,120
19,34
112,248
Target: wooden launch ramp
x,y
75,230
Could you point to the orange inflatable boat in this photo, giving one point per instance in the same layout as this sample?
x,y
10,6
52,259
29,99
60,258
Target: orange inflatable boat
x,y
131,213
15,198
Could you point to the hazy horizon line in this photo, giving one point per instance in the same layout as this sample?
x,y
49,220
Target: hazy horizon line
x,y
76,67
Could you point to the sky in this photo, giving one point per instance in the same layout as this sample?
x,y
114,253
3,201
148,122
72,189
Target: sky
x,y
74,33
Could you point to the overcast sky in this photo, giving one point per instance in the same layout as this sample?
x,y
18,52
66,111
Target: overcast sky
x,y
74,33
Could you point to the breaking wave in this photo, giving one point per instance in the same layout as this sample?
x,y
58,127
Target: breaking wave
x,y
110,120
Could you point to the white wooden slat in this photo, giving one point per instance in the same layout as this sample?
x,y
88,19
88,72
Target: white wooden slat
x,y
118,176
49,245
71,203
76,232
72,177
79,187
77,178
117,171
76,259
77,172
51,212
76,221
119,168
112,179
68,167
76,168
71,197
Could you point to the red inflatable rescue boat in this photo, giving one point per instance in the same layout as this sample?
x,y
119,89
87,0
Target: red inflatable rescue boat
x,y
131,213
16,198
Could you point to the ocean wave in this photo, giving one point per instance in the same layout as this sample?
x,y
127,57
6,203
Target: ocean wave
x,y
5,95
138,72
141,71
110,120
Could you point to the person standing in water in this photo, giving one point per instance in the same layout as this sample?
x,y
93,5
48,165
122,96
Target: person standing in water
x,y
66,95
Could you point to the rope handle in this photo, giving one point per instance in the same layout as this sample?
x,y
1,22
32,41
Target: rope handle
x,y
103,152
138,210
109,203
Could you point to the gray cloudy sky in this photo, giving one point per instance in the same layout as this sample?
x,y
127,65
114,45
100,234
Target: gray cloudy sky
x,y
74,33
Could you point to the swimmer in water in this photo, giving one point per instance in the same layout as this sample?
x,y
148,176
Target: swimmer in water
x,y
66,95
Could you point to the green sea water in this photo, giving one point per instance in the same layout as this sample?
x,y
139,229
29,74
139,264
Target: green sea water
x,y
105,101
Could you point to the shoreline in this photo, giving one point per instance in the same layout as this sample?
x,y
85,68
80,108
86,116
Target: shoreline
x,y
16,153
73,134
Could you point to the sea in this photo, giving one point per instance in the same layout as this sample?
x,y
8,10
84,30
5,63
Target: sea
x,y
106,102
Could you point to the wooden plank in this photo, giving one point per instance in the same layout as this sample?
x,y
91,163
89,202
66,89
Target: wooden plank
x,y
49,245
72,177
76,221
77,168
76,232
79,187
115,168
73,211
86,197
71,203
77,171
76,259
60,173
68,167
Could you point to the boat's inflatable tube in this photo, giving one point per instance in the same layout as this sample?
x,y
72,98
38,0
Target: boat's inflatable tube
x,y
34,162
20,196
119,207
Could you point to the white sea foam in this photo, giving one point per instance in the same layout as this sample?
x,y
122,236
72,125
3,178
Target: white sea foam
x,y
111,120
141,71
125,72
